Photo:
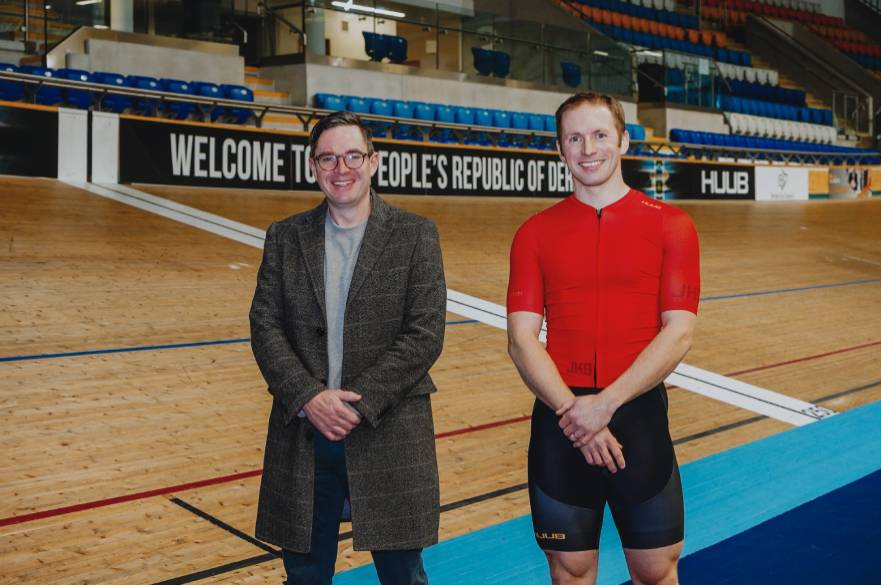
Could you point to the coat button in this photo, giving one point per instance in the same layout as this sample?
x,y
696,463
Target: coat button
x,y
319,331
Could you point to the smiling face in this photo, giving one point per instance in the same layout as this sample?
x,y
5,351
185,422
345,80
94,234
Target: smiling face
x,y
344,188
590,144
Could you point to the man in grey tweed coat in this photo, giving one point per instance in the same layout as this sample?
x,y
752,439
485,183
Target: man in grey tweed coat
x,y
347,318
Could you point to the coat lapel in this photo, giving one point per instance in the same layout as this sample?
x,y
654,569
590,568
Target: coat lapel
x,y
311,236
376,236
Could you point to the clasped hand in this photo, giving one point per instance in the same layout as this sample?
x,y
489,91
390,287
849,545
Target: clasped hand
x,y
583,417
584,421
331,413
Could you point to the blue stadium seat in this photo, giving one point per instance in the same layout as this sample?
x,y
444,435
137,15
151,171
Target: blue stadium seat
x,y
209,90
403,109
375,45
636,131
425,111
79,98
445,114
113,102
146,106
45,95
519,120
11,91
501,119
329,101
464,115
177,110
572,73
501,64
396,48
483,117
536,122
550,123
483,60
239,93
357,105
380,107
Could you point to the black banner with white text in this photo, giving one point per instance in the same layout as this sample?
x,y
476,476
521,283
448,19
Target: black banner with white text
x,y
214,156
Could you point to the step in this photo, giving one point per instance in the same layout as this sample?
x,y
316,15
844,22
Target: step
x,y
252,71
264,96
282,122
256,83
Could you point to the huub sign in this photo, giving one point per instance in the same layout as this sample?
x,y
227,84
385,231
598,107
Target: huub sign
x,y
723,182
690,180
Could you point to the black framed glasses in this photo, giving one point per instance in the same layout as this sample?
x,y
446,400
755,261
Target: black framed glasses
x,y
353,159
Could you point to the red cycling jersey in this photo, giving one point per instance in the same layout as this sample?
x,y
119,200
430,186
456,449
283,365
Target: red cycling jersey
x,y
603,280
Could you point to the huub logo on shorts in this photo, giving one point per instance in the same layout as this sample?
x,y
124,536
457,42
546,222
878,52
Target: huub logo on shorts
x,y
550,535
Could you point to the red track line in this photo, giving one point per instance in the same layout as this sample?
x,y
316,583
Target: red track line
x,y
128,498
257,472
803,359
491,425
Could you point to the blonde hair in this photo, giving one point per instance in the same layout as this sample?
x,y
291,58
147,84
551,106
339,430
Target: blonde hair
x,y
596,99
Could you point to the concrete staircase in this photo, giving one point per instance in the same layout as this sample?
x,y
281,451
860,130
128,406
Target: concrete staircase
x,y
265,93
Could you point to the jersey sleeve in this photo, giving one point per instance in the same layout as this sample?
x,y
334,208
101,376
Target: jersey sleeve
x,y
680,272
525,281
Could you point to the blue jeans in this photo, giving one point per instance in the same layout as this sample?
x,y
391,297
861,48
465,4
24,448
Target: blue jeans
x,y
399,567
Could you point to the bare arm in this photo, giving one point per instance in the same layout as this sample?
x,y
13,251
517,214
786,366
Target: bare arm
x,y
533,362
541,376
584,416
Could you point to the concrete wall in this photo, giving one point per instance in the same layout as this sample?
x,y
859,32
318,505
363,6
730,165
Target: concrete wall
x,y
11,51
663,119
303,81
138,59
831,7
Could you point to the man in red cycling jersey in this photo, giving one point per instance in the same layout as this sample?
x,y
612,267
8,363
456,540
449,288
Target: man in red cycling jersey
x,y
617,276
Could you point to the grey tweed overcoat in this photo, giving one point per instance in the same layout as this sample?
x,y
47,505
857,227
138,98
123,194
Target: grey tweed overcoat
x,y
393,333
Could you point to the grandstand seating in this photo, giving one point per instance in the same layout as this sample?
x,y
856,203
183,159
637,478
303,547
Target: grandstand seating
x,y
731,103
46,94
449,114
379,46
80,98
694,137
10,90
86,98
145,106
112,102
854,43
760,91
178,110
490,62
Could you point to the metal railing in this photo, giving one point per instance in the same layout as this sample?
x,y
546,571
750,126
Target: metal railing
x,y
462,132
853,113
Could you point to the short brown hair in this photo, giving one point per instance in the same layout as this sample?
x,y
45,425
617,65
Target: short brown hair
x,y
335,119
596,99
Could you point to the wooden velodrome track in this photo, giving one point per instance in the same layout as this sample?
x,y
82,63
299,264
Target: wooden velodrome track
x,y
143,466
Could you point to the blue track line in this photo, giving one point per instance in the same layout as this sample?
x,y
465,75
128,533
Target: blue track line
x,y
43,356
763,293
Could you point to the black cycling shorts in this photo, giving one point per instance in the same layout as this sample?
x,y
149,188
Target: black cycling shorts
x,y
567,495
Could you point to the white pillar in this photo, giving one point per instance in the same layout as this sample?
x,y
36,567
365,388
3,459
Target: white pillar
x,y
122,15
315,30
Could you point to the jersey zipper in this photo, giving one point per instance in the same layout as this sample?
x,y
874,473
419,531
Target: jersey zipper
x,y
596,301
